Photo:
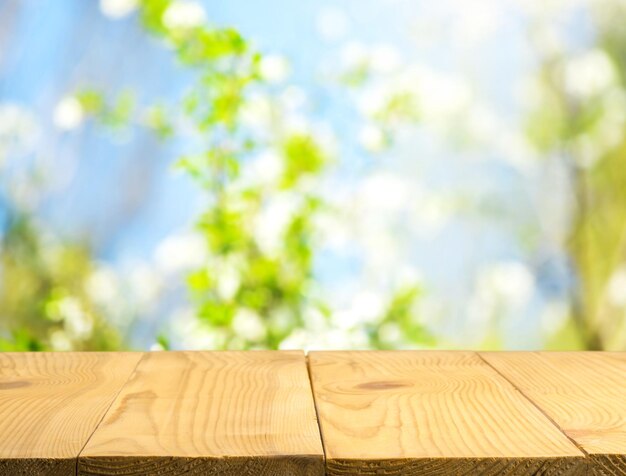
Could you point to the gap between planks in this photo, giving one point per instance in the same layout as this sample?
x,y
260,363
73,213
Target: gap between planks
x,y
583,392
282,376
316,408
317,413
543,412
383,411
106,412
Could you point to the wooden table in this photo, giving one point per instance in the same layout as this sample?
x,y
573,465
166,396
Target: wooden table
x,y
337,413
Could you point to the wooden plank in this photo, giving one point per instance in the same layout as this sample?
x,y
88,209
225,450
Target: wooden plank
x,y
227,413
582,392
50,403
431,413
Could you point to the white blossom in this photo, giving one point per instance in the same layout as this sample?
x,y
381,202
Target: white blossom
x,y
248,325
179,253
384,58
118,8
369,306
432,213
353,55
441,96
257,111
478,20
390,333
297,340
372,138
270,224
156,347
18,130
68,113
589,74
296,123
366,307
374,98
103,286
266,168
228,278
60,341
510,282
616,289
192,334
184,14
77,322
383,192
144,284
274,68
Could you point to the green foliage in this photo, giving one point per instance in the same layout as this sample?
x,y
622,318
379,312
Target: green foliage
x,y
400,107
157,120
43,299
251,291
401,318
302,156
115,115
244,284
268,287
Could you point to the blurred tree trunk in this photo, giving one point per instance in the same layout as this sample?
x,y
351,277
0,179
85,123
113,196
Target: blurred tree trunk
x,y
597,247
588,131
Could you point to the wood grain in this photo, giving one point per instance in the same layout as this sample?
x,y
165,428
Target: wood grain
x,y
584,393
227,413
50,403
431,413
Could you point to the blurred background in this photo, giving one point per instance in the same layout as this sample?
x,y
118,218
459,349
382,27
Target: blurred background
x,y
179,174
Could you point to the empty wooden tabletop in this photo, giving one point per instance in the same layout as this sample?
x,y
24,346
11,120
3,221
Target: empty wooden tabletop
x,y
433,413
227,413
51,403
584,393
349,413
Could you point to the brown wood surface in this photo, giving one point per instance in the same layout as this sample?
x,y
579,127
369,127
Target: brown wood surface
x,y
252,413
431,413
226,413
50,403
584,393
